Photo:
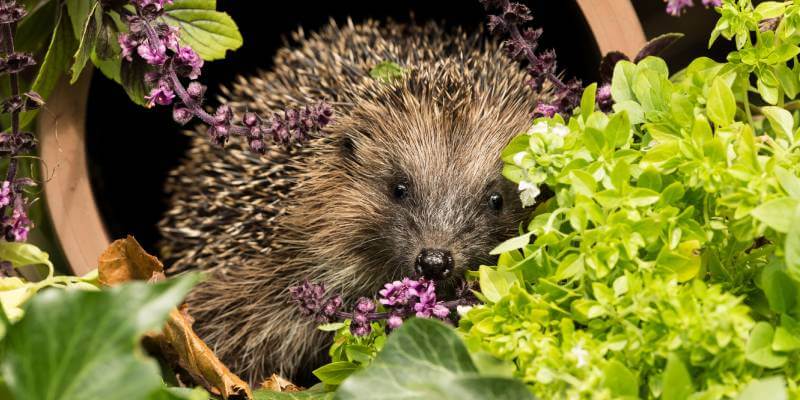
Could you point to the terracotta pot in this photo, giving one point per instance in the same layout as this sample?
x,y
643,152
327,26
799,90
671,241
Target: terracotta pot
x,y
68,194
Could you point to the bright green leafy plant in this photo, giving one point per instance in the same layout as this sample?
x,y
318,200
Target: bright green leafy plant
x,y
667,264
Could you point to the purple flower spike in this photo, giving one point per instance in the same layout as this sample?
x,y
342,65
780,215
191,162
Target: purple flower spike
x,y
155,54
5,194
394,321
603,99
188,63
128,45
313,300
161,95
545,110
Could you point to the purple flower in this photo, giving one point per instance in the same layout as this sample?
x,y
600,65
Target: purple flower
x,y
397,292
5,194
128,43
394,321
157,4
360,323
161,95
604,100
181,114
18,224
188,63
11,12
545,110
676,7
712,3
427,305
312,299
154,54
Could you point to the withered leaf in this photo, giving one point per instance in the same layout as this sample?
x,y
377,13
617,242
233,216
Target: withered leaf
x,y
126,260
277,383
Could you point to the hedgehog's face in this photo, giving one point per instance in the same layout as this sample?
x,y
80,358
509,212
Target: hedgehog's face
x,y
424,194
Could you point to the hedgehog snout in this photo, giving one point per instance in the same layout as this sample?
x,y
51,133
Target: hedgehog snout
x,y
435,264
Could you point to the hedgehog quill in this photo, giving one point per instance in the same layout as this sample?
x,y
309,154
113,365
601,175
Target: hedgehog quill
x,y
405,182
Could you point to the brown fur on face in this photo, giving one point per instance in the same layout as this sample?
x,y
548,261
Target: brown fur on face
x,y
325,211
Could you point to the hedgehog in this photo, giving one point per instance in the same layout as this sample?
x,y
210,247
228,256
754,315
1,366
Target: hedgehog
x,y
406,181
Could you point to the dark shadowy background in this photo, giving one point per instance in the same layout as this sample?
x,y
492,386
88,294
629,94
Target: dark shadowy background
x,y
131,149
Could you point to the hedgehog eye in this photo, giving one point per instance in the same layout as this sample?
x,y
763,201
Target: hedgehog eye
x,y
495,201
399,191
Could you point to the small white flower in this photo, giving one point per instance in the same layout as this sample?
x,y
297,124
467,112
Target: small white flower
x,y
560,130
539,127
731,154
528,192
518,158
463,310
581,354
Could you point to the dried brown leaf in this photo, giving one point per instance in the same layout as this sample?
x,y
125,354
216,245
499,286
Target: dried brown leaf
x,y
126,260
277,383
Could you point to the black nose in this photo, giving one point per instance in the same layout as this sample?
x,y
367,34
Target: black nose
x,y
434,263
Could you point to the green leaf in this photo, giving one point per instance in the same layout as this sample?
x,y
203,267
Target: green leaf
x,y
55,63
132,79
780,120
209,32
494,283
426,359
618,130
780,290
587,100
620,380
677,382
769,9
22,254
512,244
316,392
83,345
387,71
87,40
775,213
335,372
759,347
772,388
789,181
721,105
621,82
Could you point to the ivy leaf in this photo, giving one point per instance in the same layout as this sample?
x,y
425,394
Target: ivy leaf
x,y
759,347
69,338
87,40
209,32
721,105
426,359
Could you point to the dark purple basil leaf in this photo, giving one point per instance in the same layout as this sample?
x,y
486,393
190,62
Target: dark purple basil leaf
x,y
608,63
657,45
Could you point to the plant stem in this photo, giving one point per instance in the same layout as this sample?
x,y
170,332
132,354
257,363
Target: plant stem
x,y
8,49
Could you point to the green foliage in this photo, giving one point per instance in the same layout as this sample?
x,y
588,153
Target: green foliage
x,y
349,353
387,71
209,32
426,359
667,263
78,344
66,36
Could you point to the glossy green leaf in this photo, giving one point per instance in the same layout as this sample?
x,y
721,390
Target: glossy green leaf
x,y
209,32
426,359
677,382
759,347
83,345
721,106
